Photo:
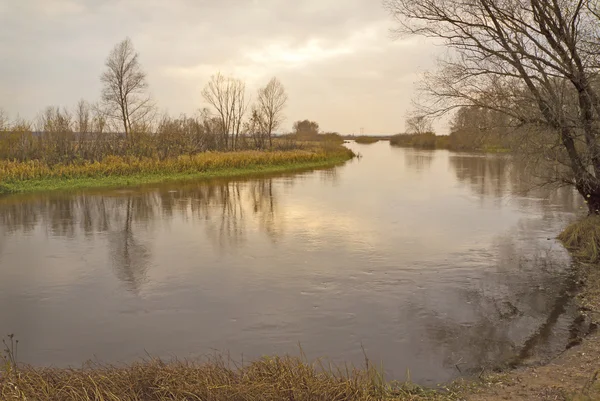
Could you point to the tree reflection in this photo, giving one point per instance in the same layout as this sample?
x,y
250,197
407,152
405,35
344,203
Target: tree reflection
x,y
500,318
506,178
130,258
224,209
419,160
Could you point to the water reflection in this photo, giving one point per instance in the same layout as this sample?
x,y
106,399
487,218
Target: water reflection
x,y
223,209
508,315
442,266
419,160
502,178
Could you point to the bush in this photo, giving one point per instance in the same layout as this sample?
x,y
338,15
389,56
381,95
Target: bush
x,y
366,140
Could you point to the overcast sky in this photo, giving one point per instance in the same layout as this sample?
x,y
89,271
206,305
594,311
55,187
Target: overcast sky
x,y
336,58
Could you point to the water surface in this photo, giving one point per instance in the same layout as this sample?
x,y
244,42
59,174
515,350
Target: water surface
x,y
432,261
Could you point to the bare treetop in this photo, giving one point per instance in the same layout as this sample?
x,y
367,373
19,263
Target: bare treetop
x,y
227,96
270,105
125,87
537,61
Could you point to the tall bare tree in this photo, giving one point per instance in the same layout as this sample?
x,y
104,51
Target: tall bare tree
x,y
537,61
227,95
125,88
418,124
271,102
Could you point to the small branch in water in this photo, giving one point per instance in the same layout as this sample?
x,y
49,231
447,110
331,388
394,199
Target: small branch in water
x,y
457,365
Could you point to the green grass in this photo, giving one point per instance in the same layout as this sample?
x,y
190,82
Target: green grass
x,y
53,184
582,238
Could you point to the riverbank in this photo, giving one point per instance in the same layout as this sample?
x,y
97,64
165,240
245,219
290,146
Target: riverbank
x,y
575,374
572,376
430,141
32,176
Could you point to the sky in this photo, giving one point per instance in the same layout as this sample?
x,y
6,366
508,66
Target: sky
x,y
338,60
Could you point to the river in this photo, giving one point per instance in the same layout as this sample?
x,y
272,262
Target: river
x,y
438,264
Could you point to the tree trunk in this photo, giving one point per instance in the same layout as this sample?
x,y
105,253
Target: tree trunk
x,y
593,202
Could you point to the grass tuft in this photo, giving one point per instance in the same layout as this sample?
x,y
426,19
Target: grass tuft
x,y
583,239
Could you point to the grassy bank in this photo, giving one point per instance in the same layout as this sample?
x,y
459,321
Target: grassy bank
x,y
114,171
448,142
268,379
366,140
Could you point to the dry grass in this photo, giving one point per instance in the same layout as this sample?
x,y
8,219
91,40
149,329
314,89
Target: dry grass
x,y
583,239
277,378
15,171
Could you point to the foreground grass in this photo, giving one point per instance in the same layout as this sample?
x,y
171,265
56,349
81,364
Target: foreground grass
x,y
269,379
18,177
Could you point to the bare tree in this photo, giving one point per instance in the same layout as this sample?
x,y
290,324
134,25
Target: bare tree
x,y
125,87
270,105
227,96
4,121
83,117
418,124
98,123
537,61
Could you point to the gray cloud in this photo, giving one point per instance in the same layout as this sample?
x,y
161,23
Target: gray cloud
x,y
336,58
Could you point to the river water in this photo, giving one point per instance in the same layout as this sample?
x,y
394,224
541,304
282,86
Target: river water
x,y
436,263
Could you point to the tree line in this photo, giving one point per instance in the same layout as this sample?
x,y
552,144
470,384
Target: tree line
x,y
125,121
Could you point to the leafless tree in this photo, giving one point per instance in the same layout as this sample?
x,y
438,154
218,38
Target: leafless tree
x,y
4,121
55,120
125,88
256,129
83,117
270,105
227,96
537,61
418,124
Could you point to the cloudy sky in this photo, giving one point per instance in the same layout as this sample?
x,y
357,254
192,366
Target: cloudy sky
x,y
336,58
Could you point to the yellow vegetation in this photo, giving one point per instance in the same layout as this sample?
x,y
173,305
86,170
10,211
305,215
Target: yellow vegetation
x,y
15,171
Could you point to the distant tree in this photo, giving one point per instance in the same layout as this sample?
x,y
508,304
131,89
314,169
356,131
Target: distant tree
x,y
98,123
125,88
270,105
256,128
227,96
83,117
4,121
418,124
55,120
306,127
